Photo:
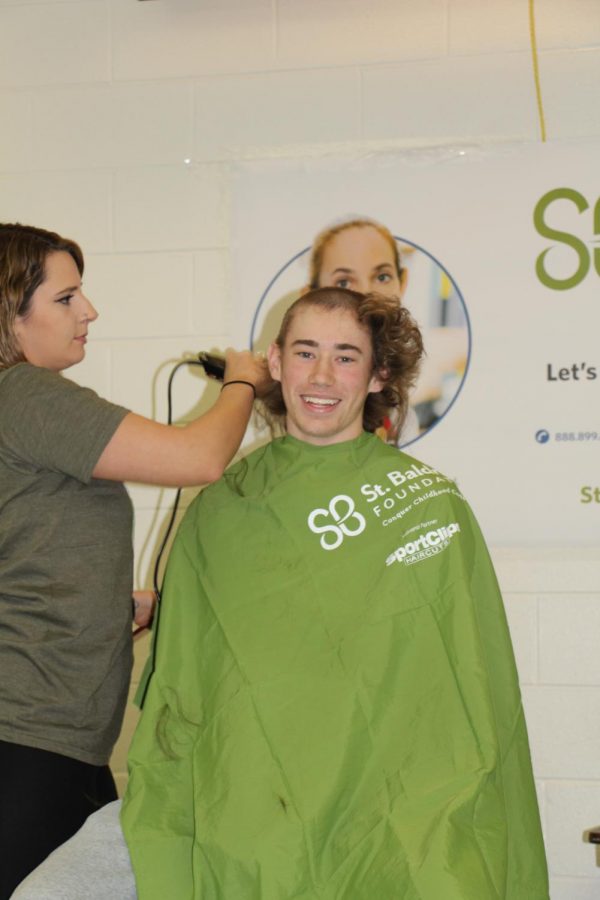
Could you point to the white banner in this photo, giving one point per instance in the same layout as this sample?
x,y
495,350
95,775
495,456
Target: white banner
x,y
502,248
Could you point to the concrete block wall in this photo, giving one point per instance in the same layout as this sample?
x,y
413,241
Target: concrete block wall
x,y
121,121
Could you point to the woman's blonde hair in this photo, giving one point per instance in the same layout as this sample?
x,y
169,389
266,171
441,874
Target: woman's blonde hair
x,y
23,253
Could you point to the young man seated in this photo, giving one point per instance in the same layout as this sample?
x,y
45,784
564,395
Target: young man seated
x,y
334,710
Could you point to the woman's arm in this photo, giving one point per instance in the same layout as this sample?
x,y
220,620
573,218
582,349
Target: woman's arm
x,y
196,453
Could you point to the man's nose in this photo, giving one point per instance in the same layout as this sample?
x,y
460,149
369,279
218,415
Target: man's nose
x,y
322,371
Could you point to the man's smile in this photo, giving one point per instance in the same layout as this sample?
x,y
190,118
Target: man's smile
x,y
319,402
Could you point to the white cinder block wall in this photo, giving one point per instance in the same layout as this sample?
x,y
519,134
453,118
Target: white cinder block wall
x,y
120,123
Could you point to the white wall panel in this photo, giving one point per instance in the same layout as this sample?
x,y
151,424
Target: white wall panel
x,y
575,888
53,43
270,110
572,24
170,208
210,303
16,150
563,570
140,295
75,203
564,730
570,90
341,32
485,26
489,97
40,2
112,125
572,807
569,635
182,38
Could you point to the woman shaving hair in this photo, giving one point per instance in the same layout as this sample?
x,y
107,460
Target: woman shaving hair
x,y
66,544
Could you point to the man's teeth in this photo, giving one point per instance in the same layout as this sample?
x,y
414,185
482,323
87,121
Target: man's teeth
x,y
320,401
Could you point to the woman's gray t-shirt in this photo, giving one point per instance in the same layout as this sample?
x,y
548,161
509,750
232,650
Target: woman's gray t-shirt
x,y
65,569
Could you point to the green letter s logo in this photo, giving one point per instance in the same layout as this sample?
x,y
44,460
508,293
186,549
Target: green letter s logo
x,y
560,284
597,232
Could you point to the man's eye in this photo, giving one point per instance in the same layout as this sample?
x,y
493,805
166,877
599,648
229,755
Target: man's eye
x,y
304,354
346,359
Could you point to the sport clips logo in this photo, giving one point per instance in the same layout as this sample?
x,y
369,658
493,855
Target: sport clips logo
x,y
424,546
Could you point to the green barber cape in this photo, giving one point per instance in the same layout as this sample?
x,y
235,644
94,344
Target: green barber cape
x,y
334,710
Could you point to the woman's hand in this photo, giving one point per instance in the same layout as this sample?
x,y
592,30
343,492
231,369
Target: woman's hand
x,y
144,603
243,365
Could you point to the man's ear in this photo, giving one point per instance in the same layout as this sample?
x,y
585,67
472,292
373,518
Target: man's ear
x,y
377,381
274,360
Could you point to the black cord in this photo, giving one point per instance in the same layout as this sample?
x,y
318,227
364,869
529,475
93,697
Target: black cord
x,y
157,589
155,578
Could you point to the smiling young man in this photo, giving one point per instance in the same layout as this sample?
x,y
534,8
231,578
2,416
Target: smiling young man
x,y
334,711
325,369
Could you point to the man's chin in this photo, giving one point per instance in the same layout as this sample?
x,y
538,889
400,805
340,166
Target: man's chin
x,y
322,433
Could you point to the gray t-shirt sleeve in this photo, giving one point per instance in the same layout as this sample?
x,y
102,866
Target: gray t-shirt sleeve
x,y
49,422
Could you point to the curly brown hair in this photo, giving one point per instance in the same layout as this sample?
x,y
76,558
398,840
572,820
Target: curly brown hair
x,y
397,350
23,253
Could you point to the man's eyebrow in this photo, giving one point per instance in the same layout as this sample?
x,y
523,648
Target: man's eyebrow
x,y
305,342
348,347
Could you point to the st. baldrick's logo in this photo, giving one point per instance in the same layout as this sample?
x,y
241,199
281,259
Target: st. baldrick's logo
x,y
338,521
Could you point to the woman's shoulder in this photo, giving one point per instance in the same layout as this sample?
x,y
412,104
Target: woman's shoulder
x,y
32,391
35,387
24,384
22,371
27,377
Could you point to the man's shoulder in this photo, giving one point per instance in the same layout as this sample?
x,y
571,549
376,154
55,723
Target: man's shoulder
x,y
233,477
387,455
